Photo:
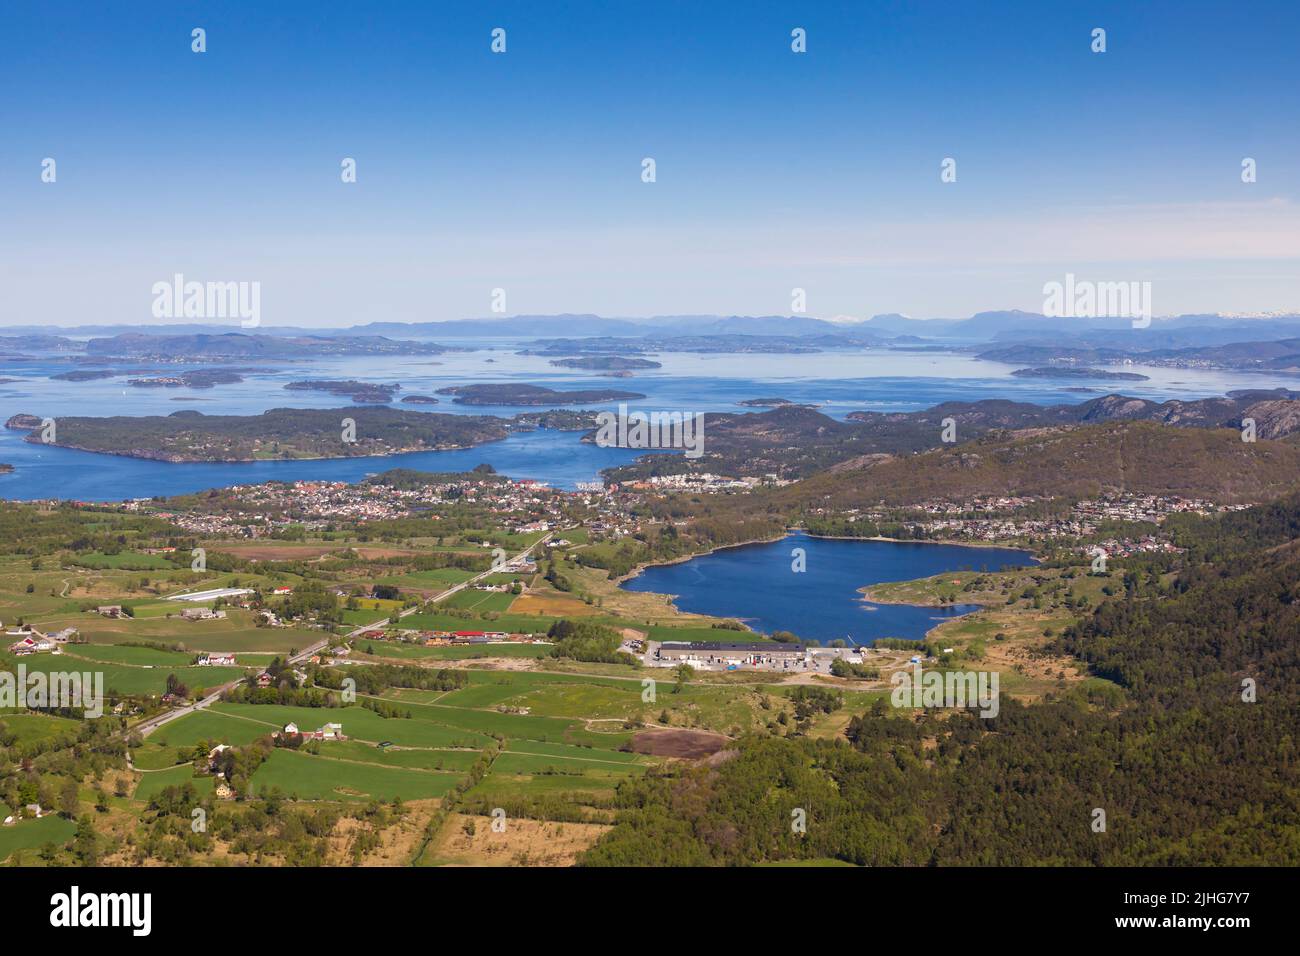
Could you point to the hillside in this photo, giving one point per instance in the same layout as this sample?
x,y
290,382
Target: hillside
x,y
1077,462
797,441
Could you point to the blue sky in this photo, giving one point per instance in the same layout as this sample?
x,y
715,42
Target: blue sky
x,y
522,170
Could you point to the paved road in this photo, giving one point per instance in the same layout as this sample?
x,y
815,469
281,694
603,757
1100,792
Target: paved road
x,y
149,725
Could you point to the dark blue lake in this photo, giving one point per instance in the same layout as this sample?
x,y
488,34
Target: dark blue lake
x,y
755,584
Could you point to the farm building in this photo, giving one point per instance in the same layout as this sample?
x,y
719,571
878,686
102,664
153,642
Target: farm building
x,y
215,660
202,614
739,651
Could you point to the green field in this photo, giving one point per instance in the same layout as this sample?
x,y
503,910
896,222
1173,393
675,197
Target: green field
x,y
30,835
699,634
324,778
435,580
123,561
585,786
30,728
420,759
362,724
510,763
154,757
154,782
474,600
126,679
514,725
456,652
206,725
235,633
120,654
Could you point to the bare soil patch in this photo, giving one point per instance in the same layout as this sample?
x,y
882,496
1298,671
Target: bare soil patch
x,y
691,744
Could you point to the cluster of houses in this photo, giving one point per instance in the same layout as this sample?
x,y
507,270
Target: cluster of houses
x,y
264,679
211,659
32,641
202,614
995,518
313,504
1126,547
761,655
703,481
327,732
444,638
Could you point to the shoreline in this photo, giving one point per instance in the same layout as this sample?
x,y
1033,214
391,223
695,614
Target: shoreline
x,y
254,461
865,591
952,542
637,569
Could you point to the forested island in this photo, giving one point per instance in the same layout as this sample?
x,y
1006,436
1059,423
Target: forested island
x,y
84,375
200,378
366,392
607,363
772,403
281,433
1069,371
510,393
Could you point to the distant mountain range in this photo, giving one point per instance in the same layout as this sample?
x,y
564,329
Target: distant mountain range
x,y
701,332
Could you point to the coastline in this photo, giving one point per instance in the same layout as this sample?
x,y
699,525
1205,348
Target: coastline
x,y
175,460
829,537
637,569
954,542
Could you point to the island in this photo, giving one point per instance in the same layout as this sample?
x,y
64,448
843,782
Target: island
x,y
510,393
559,420
200,378
606,363
365,392
23,422
84,375
1055,371
280,433
420,400
773,403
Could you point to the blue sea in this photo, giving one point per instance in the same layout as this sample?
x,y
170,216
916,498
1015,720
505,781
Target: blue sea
x,y
837,381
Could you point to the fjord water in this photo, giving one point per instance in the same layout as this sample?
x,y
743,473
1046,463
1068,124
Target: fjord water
x,y
756,584
838,381
43,471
